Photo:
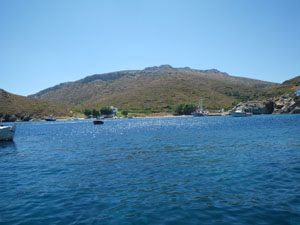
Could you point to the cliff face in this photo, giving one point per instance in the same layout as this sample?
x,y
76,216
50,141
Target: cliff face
x,y
287,104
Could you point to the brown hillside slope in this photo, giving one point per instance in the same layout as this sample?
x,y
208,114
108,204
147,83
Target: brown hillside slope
x,y
15,107
287,87
156,89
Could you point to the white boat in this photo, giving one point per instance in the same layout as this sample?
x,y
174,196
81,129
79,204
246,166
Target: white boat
x,y
199,111
7,132
50,118
240,112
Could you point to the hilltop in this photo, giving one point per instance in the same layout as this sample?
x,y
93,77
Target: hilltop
x,y
156,89
15,107
287,87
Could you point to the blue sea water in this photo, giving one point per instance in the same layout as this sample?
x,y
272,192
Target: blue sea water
x,y
204,170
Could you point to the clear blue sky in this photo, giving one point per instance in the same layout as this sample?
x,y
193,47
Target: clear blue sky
x,y
46,42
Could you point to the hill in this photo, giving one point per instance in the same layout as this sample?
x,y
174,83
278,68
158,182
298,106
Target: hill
x,y
15,107
287,87
156,89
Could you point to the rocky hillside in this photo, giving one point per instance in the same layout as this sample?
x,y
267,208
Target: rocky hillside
x,y
277,105
156,89
283,100
15,107
287,87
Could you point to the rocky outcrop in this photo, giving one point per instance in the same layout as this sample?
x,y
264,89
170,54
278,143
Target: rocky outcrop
x,y
257,107
17,117
286,104
296,110
280,105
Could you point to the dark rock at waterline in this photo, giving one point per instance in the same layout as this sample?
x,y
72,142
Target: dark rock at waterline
x,y
296,110
15,117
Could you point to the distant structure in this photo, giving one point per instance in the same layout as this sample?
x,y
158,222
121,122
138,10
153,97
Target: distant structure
x,y
298,93
115,110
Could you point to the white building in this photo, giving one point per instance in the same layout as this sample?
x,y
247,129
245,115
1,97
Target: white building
x,y
114,109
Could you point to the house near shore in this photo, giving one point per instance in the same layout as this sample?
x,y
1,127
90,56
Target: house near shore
x,y
114,109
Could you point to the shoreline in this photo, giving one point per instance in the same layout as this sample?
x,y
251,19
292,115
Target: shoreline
x,y
134,116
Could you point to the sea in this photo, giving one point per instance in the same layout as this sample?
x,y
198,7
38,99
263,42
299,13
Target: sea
x,y
177,170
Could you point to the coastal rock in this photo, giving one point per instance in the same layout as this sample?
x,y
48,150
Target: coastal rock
x,y
15,117
280,105
286,104
257,107
296,110
269,107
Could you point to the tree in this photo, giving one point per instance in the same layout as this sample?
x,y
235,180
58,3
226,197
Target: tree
x,y
95,113
185,109
106,111
125,113
188,109
87,112
179,109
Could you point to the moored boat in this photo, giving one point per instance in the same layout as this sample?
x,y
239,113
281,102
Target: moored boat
x,y
50,118
199,111
97,122
7,132
240,112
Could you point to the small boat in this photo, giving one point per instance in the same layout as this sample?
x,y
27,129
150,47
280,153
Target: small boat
x,y
7,132
240,112
50,118
199,111
97,122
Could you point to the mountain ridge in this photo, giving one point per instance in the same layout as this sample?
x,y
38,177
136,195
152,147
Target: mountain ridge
x,y
155,88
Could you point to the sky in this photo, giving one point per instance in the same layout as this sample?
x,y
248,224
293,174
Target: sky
x,y
47,42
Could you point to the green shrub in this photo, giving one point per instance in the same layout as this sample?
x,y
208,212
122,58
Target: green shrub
x,y
106,111
87,112
184,109
125,113
95,113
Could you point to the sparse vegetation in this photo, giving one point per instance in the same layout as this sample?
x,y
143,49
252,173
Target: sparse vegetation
x,y
14,107
157,89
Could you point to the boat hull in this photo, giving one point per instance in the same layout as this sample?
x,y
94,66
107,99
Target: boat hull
x,y
97,122
7,133
50,118
240,114
197,114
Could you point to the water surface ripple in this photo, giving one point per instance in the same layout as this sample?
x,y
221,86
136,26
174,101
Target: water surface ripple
x,y
210,170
